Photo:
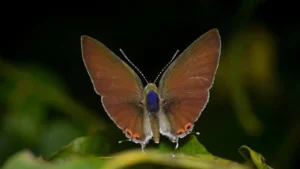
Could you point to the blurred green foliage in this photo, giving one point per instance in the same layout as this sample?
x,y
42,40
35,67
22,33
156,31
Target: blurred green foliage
x,y
43,125
30,92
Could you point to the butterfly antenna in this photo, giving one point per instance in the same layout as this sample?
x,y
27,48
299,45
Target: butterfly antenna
x,y
133,65
166,65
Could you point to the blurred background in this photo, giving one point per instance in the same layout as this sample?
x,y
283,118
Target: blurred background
x,y
47,99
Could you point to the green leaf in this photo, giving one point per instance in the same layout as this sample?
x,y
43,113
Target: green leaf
x,y
26,160
89,145
164,147
253,157
193,147
133,157
126,159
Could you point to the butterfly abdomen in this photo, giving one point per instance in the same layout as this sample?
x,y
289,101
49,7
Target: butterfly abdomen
x,y
152,100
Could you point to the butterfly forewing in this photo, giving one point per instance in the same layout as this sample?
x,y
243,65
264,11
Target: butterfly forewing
x,y
118,85
109,74
185,85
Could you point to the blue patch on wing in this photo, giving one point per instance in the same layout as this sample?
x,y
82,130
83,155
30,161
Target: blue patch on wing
x,y
152,102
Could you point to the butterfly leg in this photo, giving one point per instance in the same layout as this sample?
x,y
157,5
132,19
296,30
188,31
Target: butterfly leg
x,y
143,146
176,147
177,144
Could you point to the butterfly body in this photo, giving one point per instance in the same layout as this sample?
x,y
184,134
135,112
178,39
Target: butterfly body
x,y
152,102
145,113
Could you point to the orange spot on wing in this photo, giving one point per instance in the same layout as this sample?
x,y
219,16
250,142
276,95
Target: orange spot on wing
x,y
128,132
188,126
180,131
136,136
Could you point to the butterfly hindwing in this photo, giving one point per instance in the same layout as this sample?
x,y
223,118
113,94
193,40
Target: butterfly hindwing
x,y
119,87
129,116
185,85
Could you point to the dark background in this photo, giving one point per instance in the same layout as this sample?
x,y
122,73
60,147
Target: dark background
x,y
47,98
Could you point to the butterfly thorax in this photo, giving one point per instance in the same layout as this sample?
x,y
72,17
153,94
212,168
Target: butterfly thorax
x,y
152,102
151,96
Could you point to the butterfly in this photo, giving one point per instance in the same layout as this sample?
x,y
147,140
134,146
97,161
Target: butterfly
x,y
169,109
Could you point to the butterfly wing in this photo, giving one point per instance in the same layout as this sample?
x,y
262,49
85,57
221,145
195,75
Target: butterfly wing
x,y
185,85
119,87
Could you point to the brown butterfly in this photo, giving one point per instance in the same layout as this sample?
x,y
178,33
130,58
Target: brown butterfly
x,y
172,108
